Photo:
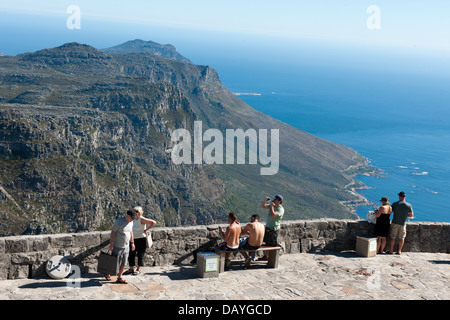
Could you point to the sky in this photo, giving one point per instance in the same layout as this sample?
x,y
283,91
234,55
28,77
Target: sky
x,y
230,27
408,23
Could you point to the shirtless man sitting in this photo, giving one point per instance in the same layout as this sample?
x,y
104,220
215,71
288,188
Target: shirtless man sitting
x,y
231,236
255,231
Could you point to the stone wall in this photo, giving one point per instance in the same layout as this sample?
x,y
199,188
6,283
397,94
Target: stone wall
x,y
25,256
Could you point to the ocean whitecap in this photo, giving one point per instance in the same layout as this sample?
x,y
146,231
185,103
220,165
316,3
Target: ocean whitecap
x,y
420,173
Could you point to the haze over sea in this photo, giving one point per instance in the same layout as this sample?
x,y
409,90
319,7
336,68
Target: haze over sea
x,y
389,102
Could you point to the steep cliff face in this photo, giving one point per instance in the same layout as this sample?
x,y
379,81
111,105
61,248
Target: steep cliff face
x,y
86,135
78,169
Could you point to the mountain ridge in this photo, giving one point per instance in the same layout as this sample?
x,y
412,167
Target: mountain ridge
x,y
167,51
100,125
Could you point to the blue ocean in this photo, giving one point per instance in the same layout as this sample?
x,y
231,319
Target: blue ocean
x,y
397,119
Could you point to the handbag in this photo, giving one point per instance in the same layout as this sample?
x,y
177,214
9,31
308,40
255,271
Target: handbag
x,y
107,263
149,240
371,217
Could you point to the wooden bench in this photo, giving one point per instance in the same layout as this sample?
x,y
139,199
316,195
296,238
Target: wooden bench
x,y
274,255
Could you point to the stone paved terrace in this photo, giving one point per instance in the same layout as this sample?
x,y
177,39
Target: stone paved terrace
x,y
309,276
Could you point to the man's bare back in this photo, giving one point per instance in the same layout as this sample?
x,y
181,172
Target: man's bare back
x,y
255,230
232,235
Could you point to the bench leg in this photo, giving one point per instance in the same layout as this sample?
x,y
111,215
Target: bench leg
x,y
274,256
221,262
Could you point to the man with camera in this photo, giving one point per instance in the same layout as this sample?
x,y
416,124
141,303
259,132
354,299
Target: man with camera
x,y
273,222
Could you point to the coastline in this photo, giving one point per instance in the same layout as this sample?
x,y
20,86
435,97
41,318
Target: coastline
x,y
363,169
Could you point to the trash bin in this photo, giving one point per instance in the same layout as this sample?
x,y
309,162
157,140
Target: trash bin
x,y
366,247
207,265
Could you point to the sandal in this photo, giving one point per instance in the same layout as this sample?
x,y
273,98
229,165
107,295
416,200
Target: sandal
x,y
120,280
135,273
108,277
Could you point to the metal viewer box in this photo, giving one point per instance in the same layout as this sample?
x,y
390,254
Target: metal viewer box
x,y
366,247
207,264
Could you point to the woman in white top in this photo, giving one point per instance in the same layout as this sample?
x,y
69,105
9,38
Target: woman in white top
x,y
140,228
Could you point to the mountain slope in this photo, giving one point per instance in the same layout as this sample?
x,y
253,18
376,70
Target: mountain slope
x,y
86,135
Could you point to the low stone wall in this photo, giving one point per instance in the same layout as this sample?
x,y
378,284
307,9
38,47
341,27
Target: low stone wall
x,y
26,256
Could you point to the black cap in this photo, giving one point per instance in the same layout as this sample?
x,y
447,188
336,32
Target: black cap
x,y
402,194
132,214
278,197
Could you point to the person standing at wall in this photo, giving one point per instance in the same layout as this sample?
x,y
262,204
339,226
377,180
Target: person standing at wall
x,y
273,222
141,226
383,223
121,242
402,210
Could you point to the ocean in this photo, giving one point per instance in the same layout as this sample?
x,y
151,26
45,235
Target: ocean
x,y
400,121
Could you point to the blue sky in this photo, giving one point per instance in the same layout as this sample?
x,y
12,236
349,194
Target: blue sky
x,y
203,30
422,24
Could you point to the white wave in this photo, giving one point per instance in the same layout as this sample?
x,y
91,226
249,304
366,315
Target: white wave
x,y
420,173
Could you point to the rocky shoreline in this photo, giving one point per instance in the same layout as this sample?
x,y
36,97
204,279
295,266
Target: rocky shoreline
x,y
363,169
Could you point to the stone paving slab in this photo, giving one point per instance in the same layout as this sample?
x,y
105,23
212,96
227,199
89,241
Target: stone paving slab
x,y
302,276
